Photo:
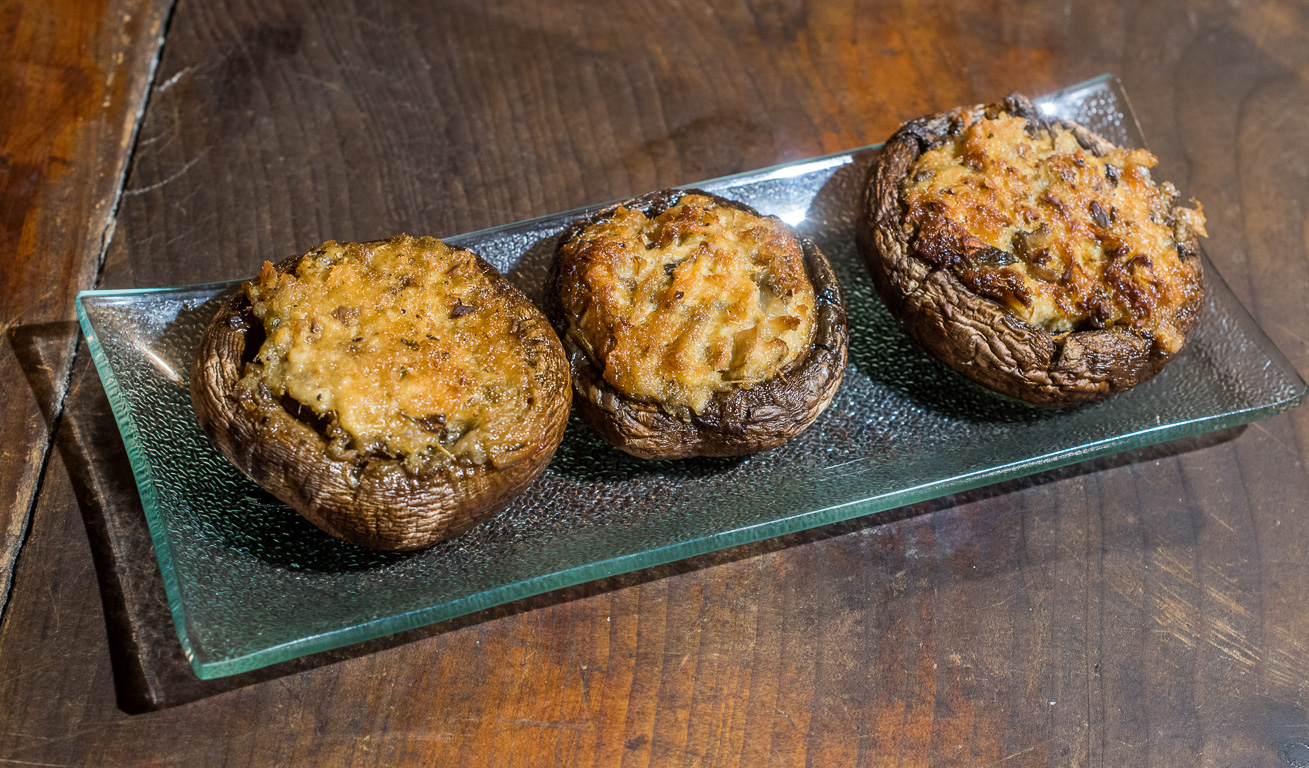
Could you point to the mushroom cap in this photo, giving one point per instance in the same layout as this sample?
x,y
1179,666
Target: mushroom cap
x,y
370,500
974,335
735,422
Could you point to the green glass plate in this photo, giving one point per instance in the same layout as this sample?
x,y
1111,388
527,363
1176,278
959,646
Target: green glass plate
x,y
250,583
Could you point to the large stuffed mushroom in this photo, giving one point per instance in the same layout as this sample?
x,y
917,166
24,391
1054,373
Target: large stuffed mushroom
x,y
394,393
1030,254
694,326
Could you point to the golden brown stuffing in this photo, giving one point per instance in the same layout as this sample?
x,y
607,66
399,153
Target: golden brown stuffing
x,y
1060,238
700,299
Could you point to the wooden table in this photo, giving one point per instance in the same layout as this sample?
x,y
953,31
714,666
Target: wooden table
x,y
1144,610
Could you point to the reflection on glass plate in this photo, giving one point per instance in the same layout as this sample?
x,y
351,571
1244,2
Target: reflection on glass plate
x,y
251,583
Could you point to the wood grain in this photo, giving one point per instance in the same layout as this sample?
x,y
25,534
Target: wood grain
x,y
1142,611
72,81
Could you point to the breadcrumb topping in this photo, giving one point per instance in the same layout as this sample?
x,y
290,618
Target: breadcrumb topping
x,y
1059,237
403,348
702,298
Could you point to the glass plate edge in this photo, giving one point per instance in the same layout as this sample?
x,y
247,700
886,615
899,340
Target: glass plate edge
x,y
142,473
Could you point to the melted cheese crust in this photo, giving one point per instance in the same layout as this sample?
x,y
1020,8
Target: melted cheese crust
x,y
701,299
402,348
1060,238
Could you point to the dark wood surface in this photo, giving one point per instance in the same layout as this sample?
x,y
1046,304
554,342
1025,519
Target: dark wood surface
x,y
73,77
1146,610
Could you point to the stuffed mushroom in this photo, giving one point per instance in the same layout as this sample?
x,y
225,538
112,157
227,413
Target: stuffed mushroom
x,y
1030,254
694,326
394,392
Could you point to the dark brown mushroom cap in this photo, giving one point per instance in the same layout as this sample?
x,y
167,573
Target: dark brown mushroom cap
x,y
735,422
975,335
371,500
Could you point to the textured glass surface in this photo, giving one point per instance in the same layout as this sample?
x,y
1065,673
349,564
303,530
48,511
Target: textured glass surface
x,y
250,583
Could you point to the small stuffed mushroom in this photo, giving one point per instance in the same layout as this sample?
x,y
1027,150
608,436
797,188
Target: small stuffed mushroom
x,y
694,326
394,393
1030,254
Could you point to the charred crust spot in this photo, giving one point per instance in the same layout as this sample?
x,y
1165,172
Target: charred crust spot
x,y
1003,285
1098,213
